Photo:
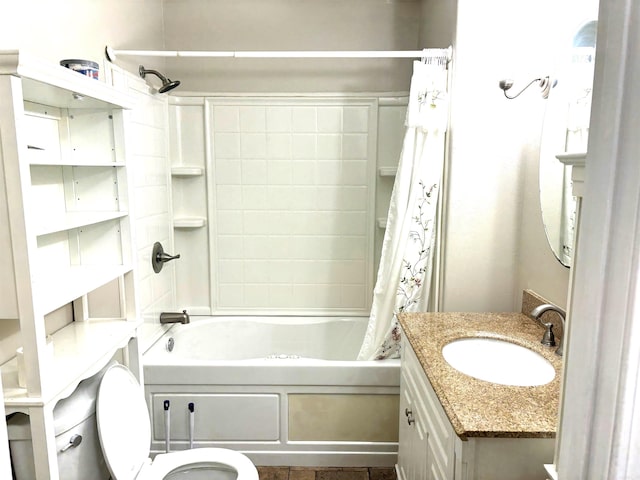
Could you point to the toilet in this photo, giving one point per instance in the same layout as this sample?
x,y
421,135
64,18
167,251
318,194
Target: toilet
x,y
125,437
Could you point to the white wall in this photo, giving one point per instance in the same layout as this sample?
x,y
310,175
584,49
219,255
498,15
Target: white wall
x,y
56,30
495,243
291,25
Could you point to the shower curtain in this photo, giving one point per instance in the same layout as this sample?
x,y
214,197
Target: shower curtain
x,y
404,277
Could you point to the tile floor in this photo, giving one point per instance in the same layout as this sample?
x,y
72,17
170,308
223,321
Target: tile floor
x,y
326,473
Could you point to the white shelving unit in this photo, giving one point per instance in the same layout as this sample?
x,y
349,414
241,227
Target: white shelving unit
x,y
63,179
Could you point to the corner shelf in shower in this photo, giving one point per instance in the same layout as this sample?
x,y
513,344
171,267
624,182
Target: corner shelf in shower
x,y
187,171
186,223
381,222
387,171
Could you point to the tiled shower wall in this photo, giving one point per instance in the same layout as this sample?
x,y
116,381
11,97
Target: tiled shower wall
x,y
292,191
278,202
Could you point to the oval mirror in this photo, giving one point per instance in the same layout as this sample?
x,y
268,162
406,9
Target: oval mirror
x,y
565,131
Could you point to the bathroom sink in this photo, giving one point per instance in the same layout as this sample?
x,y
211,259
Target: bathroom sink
x,y
498,361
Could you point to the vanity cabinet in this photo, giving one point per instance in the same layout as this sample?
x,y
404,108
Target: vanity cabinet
x,y
430,449
65,237
426,438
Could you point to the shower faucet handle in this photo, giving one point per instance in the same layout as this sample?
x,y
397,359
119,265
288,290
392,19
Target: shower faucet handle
x,y
159,257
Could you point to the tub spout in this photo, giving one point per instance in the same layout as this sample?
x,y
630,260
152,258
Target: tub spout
x,y
174,317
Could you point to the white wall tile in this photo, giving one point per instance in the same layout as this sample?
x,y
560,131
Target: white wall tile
x,y
304,119
354,172
253,119
329,119
256,271
329,146
226,145
303,146
304,197
352,296
230,247
304,172
349,223
228,222
281,222
230,296
352,271
254,197
280,295
254,172
355,119
280,172
226,119
281,271
253,145
279,197
278,145
230,271
279,246
279,119
298,220
256,247
228,197
328,172
354,146
256,296
228,172
255,222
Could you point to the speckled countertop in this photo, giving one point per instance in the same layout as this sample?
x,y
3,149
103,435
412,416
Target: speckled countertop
x,y
477,408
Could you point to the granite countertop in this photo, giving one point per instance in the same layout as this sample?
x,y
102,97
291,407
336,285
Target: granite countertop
x,y
477,408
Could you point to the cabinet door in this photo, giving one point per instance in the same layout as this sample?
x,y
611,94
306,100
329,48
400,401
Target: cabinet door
x,y
430,439
413,436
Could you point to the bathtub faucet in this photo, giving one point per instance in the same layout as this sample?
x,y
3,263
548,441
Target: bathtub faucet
x,y
174,317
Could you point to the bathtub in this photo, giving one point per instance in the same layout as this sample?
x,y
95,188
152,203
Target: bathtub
x,y
284,391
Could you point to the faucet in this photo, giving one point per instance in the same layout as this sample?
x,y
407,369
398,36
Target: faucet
x,y
548,338
174,317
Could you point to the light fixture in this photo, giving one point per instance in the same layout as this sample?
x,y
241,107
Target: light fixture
x,y
545,84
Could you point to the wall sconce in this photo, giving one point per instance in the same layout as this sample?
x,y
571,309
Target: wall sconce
x,y
545,84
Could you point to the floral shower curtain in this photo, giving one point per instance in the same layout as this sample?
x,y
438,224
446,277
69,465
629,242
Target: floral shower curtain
x,y
404,277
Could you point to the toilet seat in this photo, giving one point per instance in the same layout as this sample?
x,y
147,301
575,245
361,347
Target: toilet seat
x,y
125,435
165,463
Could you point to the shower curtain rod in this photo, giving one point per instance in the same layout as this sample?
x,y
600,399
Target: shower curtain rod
x,y
112,54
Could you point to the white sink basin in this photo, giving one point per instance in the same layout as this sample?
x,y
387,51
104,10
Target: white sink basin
x,y
498,361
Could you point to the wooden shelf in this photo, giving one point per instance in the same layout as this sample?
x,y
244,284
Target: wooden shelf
x,y
57,288
187,171
189,222
80,350
74,220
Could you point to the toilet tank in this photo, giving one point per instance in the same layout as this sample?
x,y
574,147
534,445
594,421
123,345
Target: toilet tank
x,y
74,415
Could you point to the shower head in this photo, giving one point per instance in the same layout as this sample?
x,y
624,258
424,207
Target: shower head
x,y
167,84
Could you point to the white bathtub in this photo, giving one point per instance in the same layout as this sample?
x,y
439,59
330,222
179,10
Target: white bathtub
x,y
285,391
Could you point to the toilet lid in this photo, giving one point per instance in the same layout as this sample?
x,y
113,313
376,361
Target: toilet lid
x,y
123,423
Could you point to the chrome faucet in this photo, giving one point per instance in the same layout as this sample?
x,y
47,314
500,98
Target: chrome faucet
x,y
174,317
548,338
